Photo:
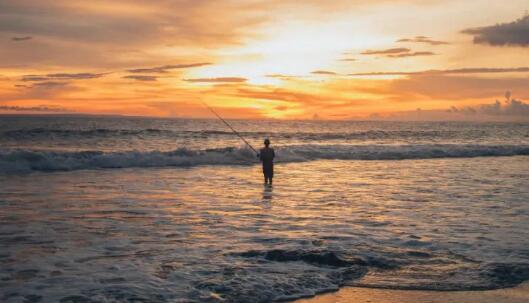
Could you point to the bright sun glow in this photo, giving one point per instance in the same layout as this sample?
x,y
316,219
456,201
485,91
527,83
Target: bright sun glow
x,y
288,60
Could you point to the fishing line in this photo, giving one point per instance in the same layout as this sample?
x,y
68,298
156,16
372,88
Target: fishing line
x,y
232,129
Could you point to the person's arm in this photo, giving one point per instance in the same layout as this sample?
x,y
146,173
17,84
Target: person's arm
x,y
273,154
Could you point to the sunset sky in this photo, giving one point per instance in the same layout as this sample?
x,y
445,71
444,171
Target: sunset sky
x,y
266,59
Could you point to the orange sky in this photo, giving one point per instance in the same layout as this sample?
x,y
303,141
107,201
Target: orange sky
x,y
266,59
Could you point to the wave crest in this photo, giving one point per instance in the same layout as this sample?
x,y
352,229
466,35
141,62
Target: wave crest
x,y
29,160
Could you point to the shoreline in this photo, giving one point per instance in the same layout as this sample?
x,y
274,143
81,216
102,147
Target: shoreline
x,y
349,294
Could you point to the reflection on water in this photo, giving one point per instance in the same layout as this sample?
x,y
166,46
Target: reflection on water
x,y
267,193
204,233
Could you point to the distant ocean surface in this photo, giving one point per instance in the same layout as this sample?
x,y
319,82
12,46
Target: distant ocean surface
x,y
63,143
116,209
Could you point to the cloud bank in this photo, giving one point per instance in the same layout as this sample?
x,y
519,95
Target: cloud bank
x,y
514,33
510,107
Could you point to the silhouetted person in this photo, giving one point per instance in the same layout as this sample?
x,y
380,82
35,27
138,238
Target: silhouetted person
x,y
266,155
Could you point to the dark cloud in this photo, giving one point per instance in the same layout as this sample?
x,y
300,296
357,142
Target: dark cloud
x,y
49,84
77,76
18,39
411,54
141,77
515,33
41,108
347,59
423,39
28,78
61,76
390,51
482,70
323,72
218,80
165,68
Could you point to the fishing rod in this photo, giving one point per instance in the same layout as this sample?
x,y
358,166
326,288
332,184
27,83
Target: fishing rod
x,y
232,129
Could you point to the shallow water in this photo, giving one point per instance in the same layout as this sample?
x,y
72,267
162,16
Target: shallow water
x,y
212,232
147,210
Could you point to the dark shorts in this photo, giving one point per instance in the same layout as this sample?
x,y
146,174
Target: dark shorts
x,y
268,170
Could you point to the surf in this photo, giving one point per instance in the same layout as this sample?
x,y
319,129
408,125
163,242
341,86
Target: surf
x,y
26,160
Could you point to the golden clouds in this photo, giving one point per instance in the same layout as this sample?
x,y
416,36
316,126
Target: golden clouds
x,y
273,59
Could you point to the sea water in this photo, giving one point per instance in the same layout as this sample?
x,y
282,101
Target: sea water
x,y
113,209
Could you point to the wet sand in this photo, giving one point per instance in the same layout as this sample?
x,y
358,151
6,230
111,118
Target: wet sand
x,y
519,294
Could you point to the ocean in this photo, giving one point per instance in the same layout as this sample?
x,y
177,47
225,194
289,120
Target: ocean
x,y
117,209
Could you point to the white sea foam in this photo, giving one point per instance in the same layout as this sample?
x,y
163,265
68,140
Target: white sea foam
x,y
28,160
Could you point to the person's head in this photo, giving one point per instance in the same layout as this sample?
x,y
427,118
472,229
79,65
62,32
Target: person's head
x,y
267,142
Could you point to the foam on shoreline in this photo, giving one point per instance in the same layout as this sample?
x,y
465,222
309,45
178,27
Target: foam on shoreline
x,y
518,294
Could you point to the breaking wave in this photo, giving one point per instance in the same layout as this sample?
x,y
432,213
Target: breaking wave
x,y
19,160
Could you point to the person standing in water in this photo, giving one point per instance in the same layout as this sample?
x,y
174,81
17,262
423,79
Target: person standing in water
x,y
266,155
